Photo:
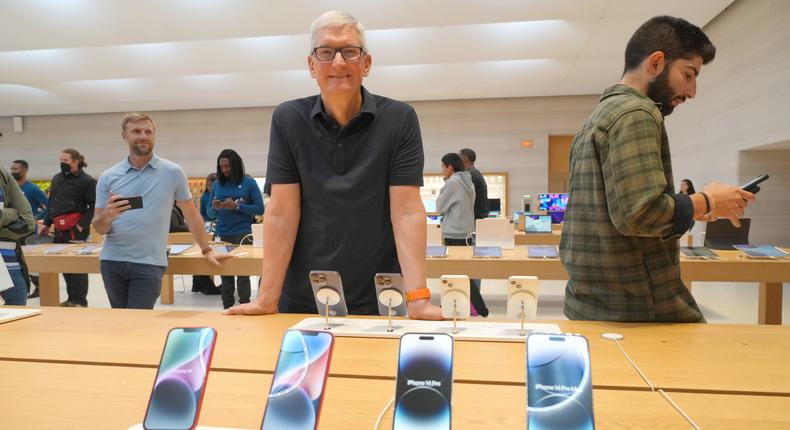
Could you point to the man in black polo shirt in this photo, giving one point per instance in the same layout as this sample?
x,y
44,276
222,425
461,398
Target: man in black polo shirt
x,y
345,168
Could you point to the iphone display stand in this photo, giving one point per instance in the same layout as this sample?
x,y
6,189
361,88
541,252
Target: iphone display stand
x,y
522,299
455,298
329,297
391,298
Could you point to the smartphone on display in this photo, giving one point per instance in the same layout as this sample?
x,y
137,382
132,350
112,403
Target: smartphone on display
x,y
424,383
761,251
394,283
559,382
320,279
181,379
299,381
88,249
698,252
487,251
224,249
179,248
542,251
135,202
435,251
751,186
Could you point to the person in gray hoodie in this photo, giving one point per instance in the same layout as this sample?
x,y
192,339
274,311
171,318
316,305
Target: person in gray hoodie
x,y
456,204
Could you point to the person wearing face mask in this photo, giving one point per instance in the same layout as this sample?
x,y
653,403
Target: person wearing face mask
x,y
37,199
72,197
620,239
38,203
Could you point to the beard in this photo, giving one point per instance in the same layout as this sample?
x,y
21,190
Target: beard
x,y
142,152
661,92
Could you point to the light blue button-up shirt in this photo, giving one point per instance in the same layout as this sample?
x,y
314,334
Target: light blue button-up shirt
x,y
140,235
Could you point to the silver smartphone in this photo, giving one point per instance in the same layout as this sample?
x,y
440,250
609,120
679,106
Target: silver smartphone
x,y
391,283
334,301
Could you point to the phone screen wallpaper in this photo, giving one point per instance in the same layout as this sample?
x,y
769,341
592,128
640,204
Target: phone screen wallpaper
x,y
559,389
298,383
180,380
424,383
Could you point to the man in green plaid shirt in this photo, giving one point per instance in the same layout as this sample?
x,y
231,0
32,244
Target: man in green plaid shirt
x,y
620,238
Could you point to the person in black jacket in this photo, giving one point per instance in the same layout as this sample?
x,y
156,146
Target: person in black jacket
x,y
481,189
72,197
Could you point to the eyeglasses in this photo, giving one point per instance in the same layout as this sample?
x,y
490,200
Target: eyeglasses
x,y
349,53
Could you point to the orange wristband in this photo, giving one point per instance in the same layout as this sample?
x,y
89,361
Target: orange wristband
x,y
418,294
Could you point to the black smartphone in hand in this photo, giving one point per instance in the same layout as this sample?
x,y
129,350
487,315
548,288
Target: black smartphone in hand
x,y
751,186
135,202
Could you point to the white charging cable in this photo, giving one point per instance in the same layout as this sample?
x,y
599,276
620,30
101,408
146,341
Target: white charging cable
x,y
616,338
383,411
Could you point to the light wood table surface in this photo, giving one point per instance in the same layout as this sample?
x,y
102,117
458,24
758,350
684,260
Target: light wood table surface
x,y
738,359
56,396
553,238
769,273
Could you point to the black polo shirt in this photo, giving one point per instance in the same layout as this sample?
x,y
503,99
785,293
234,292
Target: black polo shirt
x,y
344,175
481,194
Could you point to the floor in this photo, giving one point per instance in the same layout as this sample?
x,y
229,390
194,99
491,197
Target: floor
x,y
721,302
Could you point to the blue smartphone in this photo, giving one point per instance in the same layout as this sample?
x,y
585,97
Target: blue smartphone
x,y
181,379
559,382
436,251
425,382
299,381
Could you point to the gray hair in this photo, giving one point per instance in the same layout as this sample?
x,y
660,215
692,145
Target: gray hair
x,y
335,19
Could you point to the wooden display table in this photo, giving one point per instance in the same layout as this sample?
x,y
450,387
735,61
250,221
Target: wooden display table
x,y
743,359
769,273
552,238
50,395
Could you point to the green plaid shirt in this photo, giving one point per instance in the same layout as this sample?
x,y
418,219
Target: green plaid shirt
x,y
619,242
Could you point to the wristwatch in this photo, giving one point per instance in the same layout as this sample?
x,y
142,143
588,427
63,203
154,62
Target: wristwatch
x,y
418,294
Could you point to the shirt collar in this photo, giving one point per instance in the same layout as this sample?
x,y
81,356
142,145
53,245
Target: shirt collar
x,y
153,163
368,105
625,89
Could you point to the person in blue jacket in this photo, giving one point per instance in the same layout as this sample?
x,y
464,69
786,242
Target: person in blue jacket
x,y
235,201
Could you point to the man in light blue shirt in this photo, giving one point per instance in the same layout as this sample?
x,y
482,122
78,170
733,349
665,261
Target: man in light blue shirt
x,y
134,254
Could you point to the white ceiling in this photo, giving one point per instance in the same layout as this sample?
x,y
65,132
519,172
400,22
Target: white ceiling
x,y
78,56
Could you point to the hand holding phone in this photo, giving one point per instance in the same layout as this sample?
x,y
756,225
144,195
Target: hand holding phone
x,y
135,202
752,187
181,379
117,205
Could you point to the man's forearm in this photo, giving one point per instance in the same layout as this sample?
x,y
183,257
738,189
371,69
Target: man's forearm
x,y
279,235
195,225
408,225
101,223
